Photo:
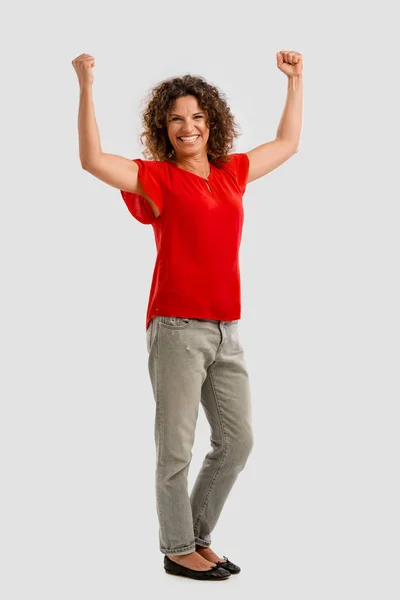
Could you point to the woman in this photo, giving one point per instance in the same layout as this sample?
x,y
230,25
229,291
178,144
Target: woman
x,y
190,190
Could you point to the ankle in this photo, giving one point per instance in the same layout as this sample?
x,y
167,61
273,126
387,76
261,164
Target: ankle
x,y
183,555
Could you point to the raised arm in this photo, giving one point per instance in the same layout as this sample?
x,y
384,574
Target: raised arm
x,y
116,171
270,155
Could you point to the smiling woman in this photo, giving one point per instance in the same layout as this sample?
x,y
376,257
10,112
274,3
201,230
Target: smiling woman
x,y
183,107
190,188
188,132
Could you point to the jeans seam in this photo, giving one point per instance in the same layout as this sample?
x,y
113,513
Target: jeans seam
x,y
159,406
221,462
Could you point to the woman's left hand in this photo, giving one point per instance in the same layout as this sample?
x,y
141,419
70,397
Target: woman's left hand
x,y
290,63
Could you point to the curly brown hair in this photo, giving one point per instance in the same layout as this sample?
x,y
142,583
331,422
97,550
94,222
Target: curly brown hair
x,y
223,128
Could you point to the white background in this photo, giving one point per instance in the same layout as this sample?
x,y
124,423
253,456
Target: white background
x,y
315,513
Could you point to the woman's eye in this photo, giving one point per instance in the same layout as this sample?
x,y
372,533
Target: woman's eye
x,y
196,117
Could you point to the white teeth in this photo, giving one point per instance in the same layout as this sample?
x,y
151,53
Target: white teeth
x,y
191,139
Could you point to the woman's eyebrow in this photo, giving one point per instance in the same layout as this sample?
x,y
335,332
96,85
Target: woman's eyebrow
x,y
176,115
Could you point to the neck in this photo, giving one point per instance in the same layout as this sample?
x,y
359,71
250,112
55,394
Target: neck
x,y
199,165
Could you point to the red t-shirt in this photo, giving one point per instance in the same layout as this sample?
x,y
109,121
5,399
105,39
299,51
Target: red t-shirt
x,y
197,236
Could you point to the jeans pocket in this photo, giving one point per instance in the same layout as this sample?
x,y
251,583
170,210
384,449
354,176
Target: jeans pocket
x,y
176,322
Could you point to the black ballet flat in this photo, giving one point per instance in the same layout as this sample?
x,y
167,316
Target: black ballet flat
x,y
215,573
228,566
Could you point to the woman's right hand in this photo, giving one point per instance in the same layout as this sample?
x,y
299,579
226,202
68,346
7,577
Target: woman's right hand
x,y
83,65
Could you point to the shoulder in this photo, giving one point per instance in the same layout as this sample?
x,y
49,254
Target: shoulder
x,y
236,165
232,161
154,172
151,165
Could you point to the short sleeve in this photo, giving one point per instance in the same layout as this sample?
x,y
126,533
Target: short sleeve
x,y
239,166
151,176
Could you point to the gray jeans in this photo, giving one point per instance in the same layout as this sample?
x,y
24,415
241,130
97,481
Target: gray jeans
x,y
193,361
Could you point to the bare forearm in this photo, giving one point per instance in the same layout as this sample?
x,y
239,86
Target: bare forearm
x,y
88,131
291,121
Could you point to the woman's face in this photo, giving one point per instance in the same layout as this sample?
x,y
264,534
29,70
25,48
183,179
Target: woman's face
x,y
186,119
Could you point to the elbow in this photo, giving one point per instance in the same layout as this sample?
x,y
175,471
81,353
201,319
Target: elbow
x,y
88,166
291,145
91,162
84,165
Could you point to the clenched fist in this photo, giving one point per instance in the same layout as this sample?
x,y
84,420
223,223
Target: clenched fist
x,y
290,63
83,65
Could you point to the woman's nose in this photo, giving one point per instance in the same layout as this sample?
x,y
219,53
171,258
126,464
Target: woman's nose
x,y
188,127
